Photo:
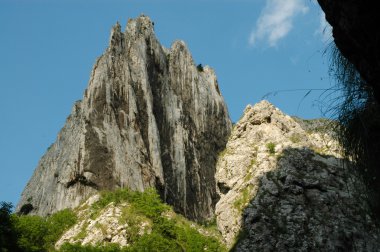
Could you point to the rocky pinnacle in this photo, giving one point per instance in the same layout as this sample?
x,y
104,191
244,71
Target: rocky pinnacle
x,y
148,118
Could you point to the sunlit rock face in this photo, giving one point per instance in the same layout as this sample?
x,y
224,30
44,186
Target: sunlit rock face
x,y
283,187
149,118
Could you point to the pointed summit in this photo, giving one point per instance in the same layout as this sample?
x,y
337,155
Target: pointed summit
x,y
147,119
116,38
140,26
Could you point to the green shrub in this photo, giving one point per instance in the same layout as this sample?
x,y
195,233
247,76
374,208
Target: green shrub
x,y
31,232
147,203
67,247
172,233
248,176
155,242
243,198
7,232
191,240
271,147
165,227
167,234
35,233
295,138
57,224
200,68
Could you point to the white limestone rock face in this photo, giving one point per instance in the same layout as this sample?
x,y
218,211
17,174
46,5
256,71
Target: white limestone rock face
x,y
112,224
283,188
148,118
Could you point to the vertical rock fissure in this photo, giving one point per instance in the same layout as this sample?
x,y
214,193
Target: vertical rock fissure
x,y
147,119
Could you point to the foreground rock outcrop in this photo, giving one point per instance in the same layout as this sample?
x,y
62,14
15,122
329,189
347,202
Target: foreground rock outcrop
x,y
134,221
283,187
149,118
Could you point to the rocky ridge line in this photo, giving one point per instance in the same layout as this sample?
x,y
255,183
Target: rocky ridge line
x,y
283,187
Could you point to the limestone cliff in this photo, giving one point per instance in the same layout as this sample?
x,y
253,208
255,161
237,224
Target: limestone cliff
x,y
149,118
283,187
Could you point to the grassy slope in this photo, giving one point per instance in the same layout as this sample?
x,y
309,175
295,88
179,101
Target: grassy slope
x,y
167,231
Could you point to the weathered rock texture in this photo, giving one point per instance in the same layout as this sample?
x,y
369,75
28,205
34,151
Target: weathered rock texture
x,y
110,225
283,188
149,118
356,34
125,222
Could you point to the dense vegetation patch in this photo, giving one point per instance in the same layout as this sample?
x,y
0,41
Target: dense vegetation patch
x,y
200,68
32,233
169,231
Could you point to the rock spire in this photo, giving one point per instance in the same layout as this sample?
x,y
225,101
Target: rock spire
x,y
148,118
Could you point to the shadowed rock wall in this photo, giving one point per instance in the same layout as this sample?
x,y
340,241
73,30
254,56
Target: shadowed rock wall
x,y
283,187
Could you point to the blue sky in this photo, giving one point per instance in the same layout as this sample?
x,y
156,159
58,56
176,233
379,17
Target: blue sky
x,y
48,48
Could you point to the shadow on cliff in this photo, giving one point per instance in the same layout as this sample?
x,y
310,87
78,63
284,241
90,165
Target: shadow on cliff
x,y
308,202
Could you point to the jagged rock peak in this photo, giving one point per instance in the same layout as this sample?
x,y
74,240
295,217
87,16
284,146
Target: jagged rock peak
x,y
140,26
283,187
116,37
148,118
262,112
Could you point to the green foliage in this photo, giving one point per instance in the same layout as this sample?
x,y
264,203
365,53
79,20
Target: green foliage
x,y
192,240
133,221
248,177
31,232
34,233
57,224
295,138
168,233
271,147
243,199
165,227
200,68
155,242
67,247
224,152
82,233
147,203
210,223
7,233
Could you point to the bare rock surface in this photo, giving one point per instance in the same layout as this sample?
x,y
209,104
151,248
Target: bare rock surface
x,y
149,118
283,187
